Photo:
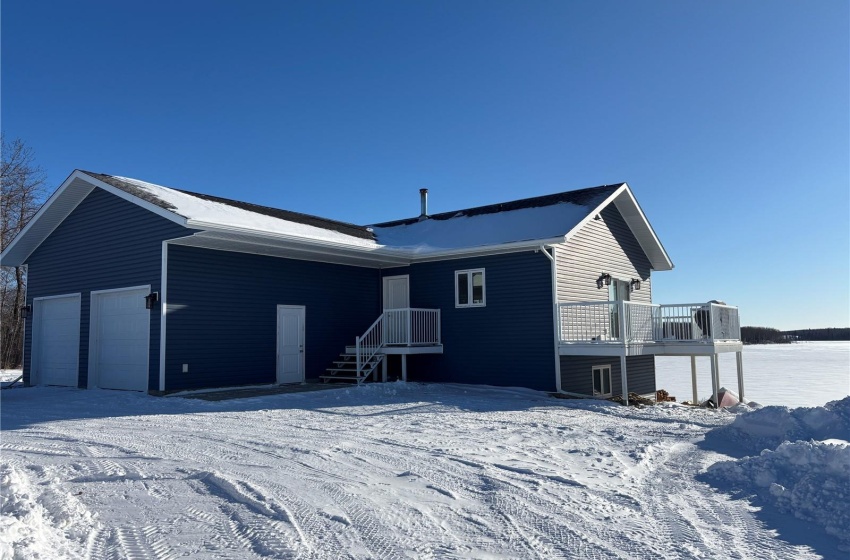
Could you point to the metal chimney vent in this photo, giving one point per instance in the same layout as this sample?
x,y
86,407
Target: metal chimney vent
x,y
423,200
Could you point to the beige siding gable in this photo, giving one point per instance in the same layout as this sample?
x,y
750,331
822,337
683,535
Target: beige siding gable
x,y
603,245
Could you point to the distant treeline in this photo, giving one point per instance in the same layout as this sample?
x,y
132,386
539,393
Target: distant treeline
x,y
820,334
767,335
762,335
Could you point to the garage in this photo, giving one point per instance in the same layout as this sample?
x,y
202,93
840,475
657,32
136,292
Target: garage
x,y
56,340
120,342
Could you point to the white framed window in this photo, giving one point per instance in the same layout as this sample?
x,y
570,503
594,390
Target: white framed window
x,y
469,288
602,381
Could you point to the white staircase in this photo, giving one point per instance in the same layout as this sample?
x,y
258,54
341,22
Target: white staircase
x,y
358,365
345,368
408,330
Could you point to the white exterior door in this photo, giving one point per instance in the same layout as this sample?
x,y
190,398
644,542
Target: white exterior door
x,y
120,339
618,291
56,340
290,343
396,298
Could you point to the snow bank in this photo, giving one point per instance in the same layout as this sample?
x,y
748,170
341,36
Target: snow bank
x,y
10,374
768,427
806,479
38,523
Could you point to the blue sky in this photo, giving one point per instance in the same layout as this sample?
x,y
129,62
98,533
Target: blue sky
x,y
729,120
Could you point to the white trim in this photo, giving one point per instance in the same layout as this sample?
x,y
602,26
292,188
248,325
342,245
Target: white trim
x,y
555,323
636,207
630,203
302,337
34,345
602,368
94,323
484,250
63,192
309,257
163,290
470,272
4,257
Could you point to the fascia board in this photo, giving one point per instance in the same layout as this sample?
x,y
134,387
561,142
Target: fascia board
x,y
298,244
12,250
632,204
486,250
382,254
219,228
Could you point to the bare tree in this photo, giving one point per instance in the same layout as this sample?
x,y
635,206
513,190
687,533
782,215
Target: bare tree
x,y
22,185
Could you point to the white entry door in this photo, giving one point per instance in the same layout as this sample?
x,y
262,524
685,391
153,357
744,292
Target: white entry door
x,y
617,291
120,345
56,348
396,302
290,343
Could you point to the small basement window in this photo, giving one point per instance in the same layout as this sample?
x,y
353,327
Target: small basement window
x,y
469,288
601,381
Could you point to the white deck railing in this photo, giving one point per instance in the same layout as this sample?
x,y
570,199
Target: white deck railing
x,y
411,326
634,322
399,327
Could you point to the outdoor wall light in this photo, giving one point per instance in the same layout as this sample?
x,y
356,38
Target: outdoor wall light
x,y
25,311
635,284
151,299
604,279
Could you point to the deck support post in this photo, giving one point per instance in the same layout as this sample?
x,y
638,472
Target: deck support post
x,y
715,379
739,358
384,369
624,380
404,367
695,400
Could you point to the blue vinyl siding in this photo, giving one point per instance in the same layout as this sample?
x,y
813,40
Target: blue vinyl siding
x,y
105,243
509,342
222,314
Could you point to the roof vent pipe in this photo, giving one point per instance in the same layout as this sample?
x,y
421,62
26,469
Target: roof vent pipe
x,y
423,199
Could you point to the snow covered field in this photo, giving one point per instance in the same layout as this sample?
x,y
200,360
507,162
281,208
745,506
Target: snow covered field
x,y
799,374
409,470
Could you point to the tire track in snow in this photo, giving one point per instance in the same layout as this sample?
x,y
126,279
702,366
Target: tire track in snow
x,y
377,538
267,528
314,527
701,521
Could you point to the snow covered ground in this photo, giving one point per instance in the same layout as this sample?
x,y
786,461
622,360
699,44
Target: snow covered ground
x,y
10,374
799,374
395,471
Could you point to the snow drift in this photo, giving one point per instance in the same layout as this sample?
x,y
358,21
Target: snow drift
x,y
768,427
808,480
793,470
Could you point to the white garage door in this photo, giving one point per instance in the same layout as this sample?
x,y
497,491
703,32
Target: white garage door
x,y
121,329
56,340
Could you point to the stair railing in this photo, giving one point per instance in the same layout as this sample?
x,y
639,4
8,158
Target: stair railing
x,y
368,345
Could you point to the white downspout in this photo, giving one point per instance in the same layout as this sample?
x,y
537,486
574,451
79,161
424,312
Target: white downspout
x,y
163,289
554,316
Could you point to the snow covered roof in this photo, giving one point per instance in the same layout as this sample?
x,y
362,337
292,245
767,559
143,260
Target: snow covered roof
x,y
541,218
200,208
221,223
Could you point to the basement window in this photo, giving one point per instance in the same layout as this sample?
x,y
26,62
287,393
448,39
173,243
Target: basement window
x,y
469,288
601,381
